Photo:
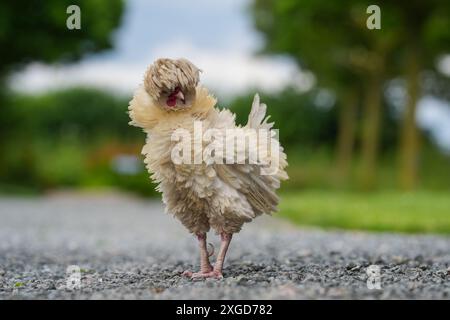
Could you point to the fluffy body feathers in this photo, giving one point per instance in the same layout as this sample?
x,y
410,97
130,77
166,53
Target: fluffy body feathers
x,y
203,196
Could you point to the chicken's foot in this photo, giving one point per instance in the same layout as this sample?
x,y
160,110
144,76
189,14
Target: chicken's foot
x,y
205,265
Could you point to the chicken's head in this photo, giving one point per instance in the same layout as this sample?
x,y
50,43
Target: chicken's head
x,y
171,83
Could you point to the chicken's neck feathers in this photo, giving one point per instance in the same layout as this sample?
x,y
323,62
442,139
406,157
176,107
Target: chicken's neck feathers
x,y
147,115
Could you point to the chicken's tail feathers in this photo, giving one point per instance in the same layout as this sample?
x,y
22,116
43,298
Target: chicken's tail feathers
x,y
210,252
257,117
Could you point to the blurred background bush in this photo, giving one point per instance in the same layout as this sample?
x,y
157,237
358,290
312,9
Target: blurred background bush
x,y
352,110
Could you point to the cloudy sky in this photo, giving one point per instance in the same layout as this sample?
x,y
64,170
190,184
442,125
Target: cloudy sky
x,y
216,35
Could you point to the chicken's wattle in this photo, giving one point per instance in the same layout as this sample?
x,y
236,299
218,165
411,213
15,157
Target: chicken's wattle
x,y
172,99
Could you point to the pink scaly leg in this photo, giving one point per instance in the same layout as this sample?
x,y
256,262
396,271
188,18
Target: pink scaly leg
x,y
205,266
218,266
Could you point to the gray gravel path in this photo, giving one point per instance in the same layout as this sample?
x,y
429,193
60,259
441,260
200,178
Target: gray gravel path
x,y
128,248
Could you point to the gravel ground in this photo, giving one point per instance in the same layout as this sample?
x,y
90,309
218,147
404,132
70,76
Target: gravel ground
x,y
128,248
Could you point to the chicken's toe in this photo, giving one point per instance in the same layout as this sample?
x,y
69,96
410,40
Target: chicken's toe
x,y
187,273
210,274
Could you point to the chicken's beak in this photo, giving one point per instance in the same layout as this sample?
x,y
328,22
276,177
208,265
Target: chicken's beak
x,y
180,95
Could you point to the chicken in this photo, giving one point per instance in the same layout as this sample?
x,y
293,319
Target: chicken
x,y
216,192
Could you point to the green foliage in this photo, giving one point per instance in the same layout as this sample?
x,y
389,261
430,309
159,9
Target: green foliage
x,y
36,30
384,211
304,122
78,113
315,169
62,164
331,37
32,30
69,138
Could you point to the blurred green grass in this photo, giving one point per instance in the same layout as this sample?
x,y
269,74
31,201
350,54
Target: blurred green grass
x,y
418,212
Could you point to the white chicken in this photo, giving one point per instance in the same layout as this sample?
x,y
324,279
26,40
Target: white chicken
x,y
205,194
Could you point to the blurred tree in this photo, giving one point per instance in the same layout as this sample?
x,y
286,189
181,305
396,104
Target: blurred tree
x,y
33,30
69,137
436,84
63,138
78,113
331,39
424,35
287,27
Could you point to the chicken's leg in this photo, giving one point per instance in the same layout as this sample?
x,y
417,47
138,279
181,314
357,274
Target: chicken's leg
x,y
205,266
226,239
